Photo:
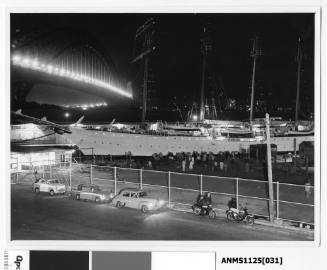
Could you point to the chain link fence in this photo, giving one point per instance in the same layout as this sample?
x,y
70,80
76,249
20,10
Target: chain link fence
x,y
28,172
292,202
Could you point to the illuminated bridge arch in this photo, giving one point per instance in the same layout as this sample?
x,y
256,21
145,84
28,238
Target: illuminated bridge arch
x,y
67,58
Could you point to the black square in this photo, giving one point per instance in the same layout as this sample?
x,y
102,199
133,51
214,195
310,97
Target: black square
x,y
59,260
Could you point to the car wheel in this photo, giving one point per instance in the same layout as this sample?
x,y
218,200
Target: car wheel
x,y
77,197
144,209
97,199
119,204
37,190
52,192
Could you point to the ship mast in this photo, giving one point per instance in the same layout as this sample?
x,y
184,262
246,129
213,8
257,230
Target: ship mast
x,y
146,32
205,48
202,85
254,54
298,83
214,109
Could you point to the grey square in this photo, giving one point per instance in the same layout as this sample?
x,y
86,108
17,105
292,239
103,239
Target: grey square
x,y
121,260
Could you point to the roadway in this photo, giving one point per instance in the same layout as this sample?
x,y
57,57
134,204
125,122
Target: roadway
x,y
41,217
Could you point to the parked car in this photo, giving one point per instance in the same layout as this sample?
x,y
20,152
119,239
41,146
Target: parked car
x,y
51,186
138,199
90,192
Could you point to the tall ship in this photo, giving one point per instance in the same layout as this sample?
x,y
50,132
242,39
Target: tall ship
x,y
204,136
104,142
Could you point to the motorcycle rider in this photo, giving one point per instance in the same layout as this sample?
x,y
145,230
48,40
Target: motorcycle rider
x,y
235,214
232,203
203,206
200,200
207,199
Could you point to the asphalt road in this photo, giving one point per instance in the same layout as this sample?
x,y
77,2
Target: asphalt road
x,y
41,217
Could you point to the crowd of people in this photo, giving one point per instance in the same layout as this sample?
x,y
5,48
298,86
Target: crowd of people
x,y
226,164
196,162
204,161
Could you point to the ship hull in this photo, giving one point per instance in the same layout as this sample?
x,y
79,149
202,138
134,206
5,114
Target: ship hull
x,y
112,143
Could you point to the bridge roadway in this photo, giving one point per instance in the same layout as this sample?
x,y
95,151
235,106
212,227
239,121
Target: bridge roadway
x,y
41,217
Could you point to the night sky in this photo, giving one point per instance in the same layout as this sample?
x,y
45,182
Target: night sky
x,y
176,64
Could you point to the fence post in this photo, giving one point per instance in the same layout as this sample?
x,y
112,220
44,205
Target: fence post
x,y
91,175
70,171
141,178
237,192
277,201
169,189
201,186
17,168
115,177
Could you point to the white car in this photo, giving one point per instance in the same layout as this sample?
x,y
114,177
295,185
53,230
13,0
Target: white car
x,y
51,186
90,192
138,199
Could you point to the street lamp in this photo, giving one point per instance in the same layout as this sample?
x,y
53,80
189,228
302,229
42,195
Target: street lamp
x,y
67,114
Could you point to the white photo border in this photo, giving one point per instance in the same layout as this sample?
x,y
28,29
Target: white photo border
x,y
164,245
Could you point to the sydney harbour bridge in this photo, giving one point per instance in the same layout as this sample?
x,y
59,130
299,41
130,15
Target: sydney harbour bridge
x,y
64,58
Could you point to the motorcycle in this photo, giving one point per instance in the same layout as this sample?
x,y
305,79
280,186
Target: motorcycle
x,y
240,215
203,210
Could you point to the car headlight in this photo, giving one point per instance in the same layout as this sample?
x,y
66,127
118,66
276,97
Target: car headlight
x,y
161,202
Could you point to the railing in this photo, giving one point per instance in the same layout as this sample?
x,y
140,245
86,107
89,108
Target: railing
x,y
294,203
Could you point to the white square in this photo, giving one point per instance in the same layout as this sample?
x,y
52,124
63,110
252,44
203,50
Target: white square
x,y
183,260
